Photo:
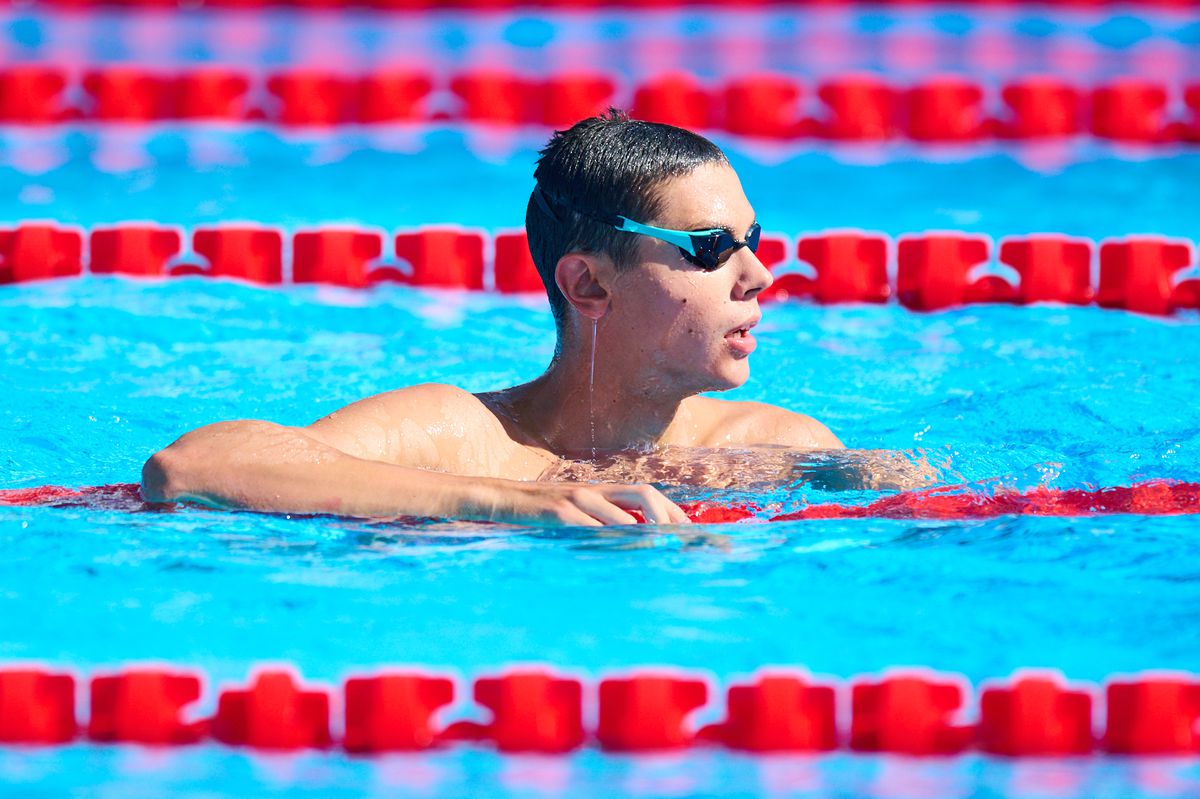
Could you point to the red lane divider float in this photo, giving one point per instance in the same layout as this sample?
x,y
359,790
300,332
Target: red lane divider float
x,y
909,712
933,271
853,107
1153,497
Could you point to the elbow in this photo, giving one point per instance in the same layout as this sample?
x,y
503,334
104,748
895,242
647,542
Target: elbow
x,y
161,478
183,468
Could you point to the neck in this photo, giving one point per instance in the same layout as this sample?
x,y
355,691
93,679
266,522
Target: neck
x,y
573,413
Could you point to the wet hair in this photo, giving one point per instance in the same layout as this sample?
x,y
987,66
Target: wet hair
x,y
604,165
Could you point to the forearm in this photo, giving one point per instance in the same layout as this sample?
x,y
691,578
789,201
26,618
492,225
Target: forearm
x,y
266,467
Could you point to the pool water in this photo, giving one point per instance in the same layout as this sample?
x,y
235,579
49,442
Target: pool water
x,y
104,371
101,372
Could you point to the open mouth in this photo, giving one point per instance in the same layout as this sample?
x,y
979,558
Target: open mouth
x,y
740,340
743,331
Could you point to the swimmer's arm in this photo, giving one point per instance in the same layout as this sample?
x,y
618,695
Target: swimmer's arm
x,y
844,470
261,466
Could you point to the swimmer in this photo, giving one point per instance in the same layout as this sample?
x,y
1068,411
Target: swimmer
x,y
646,243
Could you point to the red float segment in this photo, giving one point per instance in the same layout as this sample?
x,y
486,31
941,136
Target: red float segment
x,y
773,252
516,272
1153,716
392,96
1052,268
944,110
342,257
1186,294
128,94
1191,96
648,712
565,99
532,711
908,715
36,707
860,108
1130,110
493,96
394,712
1138,273
447,258
763,105
210,93
143,706
311,98
1153,497
1035,715
254,254
704,513
31,95
39,251
778,713
850,267
1042,107
142,250
675,99
273,713
934,271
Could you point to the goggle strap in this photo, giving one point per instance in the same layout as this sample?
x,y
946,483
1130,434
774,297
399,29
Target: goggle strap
x,y
541,196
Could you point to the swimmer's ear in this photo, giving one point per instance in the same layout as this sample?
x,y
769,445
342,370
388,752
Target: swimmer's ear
x,y
582,279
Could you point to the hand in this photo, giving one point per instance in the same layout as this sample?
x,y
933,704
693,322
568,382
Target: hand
x,y
584,504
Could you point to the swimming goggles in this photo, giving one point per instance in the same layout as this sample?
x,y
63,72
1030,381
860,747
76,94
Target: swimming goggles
x,y
707,249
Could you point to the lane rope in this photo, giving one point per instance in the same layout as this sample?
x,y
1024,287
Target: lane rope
x,y
906,711
856,107
1148,498
926,271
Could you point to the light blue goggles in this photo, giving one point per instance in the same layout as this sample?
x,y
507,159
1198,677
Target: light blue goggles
x,y
707,249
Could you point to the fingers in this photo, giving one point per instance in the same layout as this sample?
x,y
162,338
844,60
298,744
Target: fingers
x,y
569,515
599,508
649,500
678,516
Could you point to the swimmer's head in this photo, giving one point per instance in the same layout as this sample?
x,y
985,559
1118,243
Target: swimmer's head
x,y
608,164
645,228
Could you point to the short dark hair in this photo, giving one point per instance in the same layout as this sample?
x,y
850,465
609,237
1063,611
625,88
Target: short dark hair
x,y
607,164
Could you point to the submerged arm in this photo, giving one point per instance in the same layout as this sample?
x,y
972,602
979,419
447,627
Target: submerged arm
x,y
830,466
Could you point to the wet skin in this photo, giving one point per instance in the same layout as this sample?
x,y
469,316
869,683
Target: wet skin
x,y
664,329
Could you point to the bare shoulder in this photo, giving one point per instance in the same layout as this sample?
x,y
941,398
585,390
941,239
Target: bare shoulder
x,y
431,426
723,423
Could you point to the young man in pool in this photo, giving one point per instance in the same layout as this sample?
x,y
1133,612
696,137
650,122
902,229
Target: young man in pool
x,y
646,244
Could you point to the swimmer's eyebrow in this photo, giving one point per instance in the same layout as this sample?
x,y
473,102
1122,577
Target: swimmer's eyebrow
x,y
708,225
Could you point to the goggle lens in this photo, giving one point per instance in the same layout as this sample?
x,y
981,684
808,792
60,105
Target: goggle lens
x,y
715,249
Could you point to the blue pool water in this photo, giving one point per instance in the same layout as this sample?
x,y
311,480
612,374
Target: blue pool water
x,y
101,372
104,371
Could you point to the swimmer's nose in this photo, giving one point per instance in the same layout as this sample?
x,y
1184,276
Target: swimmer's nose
x,y
754,277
